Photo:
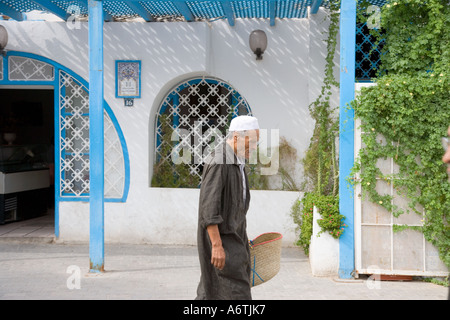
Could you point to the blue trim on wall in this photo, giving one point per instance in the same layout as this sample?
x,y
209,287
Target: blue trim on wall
x,y
57,155
184,84
346,136
55,84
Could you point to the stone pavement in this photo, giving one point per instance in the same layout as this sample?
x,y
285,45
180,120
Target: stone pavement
x,y
60,271
33,268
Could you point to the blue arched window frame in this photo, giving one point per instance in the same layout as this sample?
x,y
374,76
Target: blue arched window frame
x,y
171,100
4,80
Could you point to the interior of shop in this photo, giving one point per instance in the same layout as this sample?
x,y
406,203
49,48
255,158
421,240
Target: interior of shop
x,y
26,153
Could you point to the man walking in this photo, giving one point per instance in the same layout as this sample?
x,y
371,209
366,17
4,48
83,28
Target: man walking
x,y
223,248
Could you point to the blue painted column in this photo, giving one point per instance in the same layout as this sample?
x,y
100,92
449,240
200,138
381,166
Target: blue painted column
x,y
346,135
96,136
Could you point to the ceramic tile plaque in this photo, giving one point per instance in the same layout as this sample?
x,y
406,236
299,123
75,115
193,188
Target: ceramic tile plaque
x,y
128,79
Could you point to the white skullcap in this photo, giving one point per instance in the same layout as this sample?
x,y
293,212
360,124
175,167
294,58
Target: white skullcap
x,y
243,123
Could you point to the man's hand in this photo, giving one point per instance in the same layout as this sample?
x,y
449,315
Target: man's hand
x,y
217,251
218,257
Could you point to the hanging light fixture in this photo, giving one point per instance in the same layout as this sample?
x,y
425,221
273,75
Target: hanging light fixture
x,y
3,39
258,43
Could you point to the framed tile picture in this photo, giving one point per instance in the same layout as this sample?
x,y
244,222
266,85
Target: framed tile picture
x,y
128,79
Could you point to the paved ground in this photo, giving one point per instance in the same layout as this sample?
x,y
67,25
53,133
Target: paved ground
x,y
30,268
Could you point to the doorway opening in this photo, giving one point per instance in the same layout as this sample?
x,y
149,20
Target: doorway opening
x,y
27,141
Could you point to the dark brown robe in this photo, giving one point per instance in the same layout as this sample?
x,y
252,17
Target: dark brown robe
x,y
222,203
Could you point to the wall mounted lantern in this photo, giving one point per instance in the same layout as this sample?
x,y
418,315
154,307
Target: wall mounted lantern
x,y
3,39
258,43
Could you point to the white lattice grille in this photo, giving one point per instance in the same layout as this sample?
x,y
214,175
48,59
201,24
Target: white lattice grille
x,y
74,136
114,161
200,110
74,144
28,69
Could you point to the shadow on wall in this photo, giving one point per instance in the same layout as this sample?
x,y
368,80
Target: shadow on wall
x,y
278,89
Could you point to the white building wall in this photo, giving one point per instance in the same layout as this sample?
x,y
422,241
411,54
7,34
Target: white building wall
x,y
278,89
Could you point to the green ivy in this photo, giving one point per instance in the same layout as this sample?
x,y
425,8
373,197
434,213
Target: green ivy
x,y
320,163
331,220
407,112
302,215
417,36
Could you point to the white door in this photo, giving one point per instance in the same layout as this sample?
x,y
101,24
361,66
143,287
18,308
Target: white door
x,y
378,248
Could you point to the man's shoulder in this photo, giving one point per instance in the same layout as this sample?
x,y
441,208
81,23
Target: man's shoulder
x,y
222,154
215,158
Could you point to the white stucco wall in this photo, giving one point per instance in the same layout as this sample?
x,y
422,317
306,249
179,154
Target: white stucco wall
x,y
169,216
278,89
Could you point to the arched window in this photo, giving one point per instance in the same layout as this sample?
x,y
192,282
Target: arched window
x,y
193,117
71,121
74,145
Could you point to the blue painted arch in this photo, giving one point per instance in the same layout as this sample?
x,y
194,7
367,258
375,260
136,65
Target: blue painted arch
x,y
171,100
4,81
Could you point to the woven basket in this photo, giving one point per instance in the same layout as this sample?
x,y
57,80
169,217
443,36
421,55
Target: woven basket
x,y
265,255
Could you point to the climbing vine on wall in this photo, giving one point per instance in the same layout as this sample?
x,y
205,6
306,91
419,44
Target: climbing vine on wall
x,y
320,162
407,112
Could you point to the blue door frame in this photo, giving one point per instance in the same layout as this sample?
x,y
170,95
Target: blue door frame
x,y
103,107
